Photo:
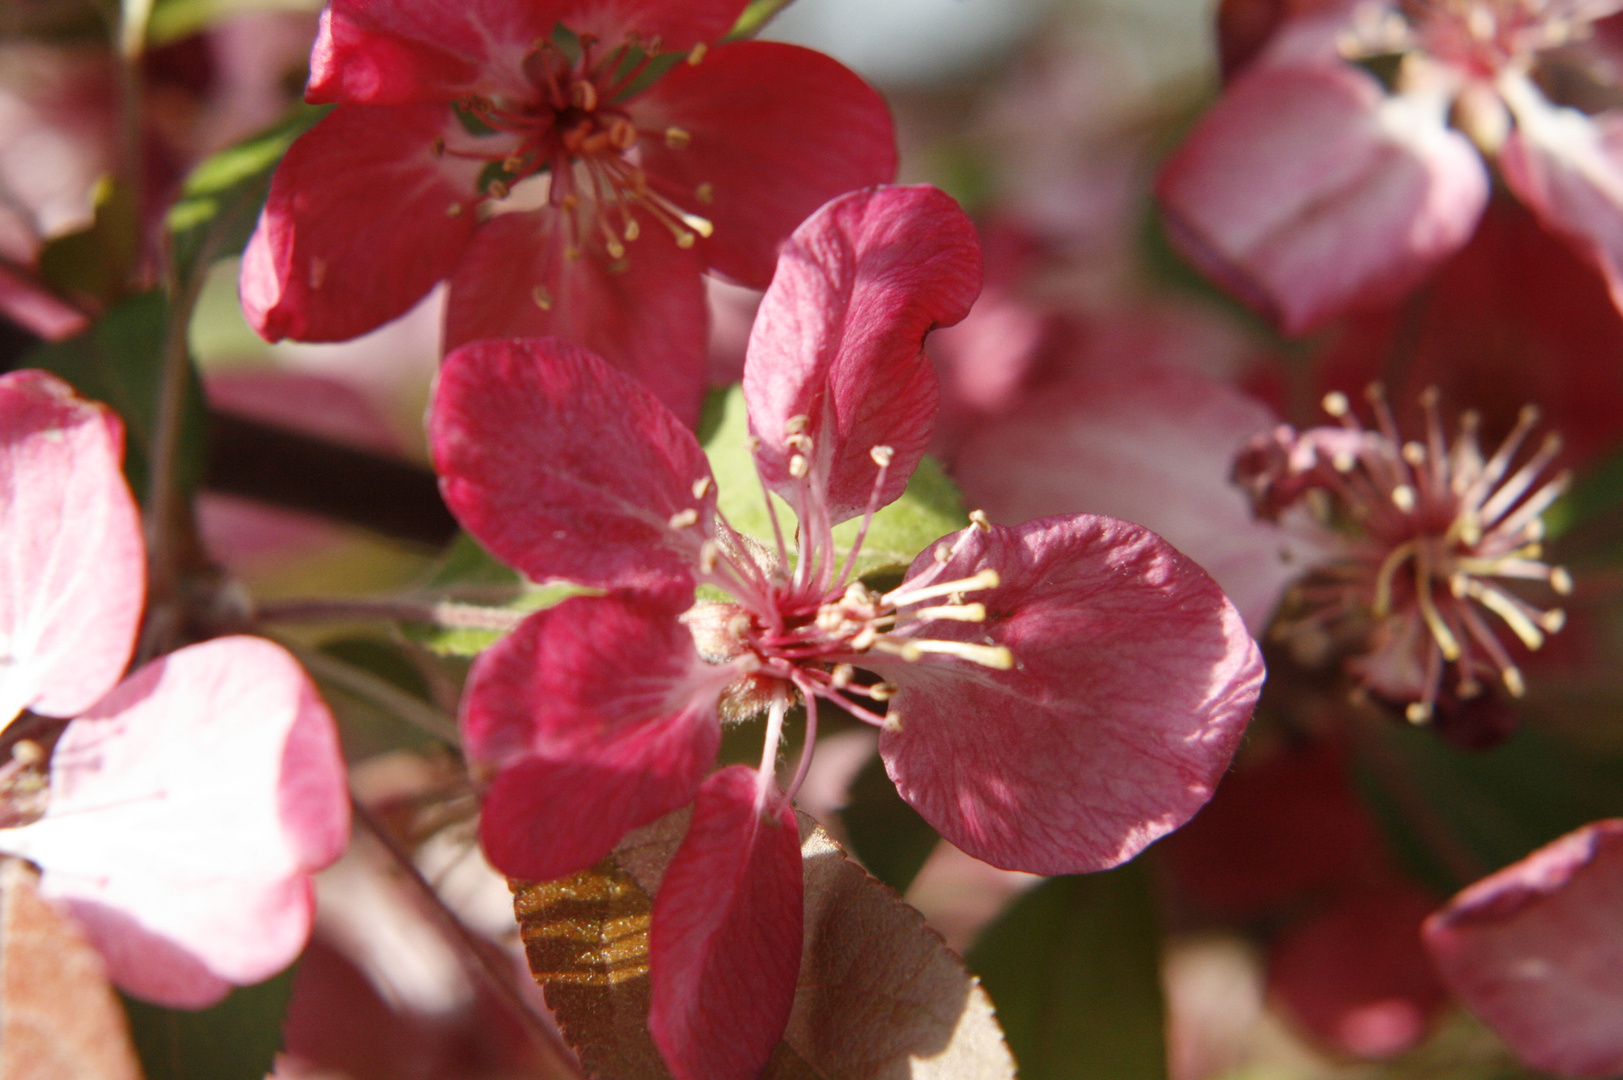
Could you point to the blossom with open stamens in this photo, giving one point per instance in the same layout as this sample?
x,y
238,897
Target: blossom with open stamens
x,y
1432,534
1052,697
570,166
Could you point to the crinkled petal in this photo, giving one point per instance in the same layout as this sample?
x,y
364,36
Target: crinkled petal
x,y
1308,191
1536,950
775,131
397,52
725,936
74,573
645,314
1133,680
187,811
1568,168
566,468
839,340
1148,445
599,716
358,225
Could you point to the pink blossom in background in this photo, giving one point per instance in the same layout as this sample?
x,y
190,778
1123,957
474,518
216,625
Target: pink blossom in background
x,y
618,155
1311,190
1056,695
1536,950
188,806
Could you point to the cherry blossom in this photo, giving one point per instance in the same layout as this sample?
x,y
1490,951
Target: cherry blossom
x,y
188,804
571,167
1051,696
1311,189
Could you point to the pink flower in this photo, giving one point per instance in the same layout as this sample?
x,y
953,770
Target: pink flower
x,y
189,803
1052,697
1310,188
1537,951
1431,535
572,167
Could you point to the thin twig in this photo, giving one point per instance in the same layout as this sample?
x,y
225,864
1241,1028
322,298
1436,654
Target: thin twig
x,y
442,613
379,691
476,947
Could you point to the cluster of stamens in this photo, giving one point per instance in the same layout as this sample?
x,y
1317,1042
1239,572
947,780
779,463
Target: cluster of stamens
x,y
1433,533
577,133
806,623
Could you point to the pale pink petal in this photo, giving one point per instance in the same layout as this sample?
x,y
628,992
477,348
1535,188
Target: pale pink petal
x,y
1148,445
1536,950
1568,168
1308,191
840,334
774,132
566,468
725,939
599,716
645,314
362,219
187,811
72,565
36,308
1133,680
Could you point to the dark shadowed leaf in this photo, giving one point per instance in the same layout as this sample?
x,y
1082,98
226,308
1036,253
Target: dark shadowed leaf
x,y
234,1040
59,1017
887,834
880,997
1074,968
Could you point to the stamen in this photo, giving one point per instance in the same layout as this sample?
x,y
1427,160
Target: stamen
x,y
798,467
701,487
696,54
979,519
954,612
542,297
705,193
684,518
997,657
902,596
677,138
1336,404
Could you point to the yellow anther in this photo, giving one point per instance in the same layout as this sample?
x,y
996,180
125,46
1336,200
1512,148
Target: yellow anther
x,y
583,95
542,298
798,466
684,239
955,612
942,553
882,456
902,595
696,54
454,210
705,193
677,138
1336,404
701,487
615,249
1561,581
1343,462
997,657
1417,712
27,752
893,720
684,518
1553,620
979,519
632,230
709,553
699,225
796,425
841,676
1514,682
1403,498
883,691
1414,453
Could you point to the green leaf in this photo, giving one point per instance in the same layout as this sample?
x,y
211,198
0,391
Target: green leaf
x,y
172,20
1074,970
221,199
95,262
234,1040
887,834
928,510
119,361
755,18
1452,814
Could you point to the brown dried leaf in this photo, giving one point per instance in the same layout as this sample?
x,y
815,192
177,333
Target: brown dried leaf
x,y
59,1017
880,996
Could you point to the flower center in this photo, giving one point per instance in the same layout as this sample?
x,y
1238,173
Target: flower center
x,y
1434,532
576,133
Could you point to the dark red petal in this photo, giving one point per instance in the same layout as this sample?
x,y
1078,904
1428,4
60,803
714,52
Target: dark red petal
x,y
70,540
566,468
725,938
600,716
1308,191
1536,950
1355,975
678,24
187,811
776,131
397,52
645,314
358,225
1133,681
839,339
